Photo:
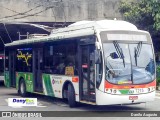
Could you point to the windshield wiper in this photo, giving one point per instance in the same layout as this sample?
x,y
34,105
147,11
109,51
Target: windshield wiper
x,y
137,51
119,51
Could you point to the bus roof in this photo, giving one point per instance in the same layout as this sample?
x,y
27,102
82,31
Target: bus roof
x,y
107,24
78,29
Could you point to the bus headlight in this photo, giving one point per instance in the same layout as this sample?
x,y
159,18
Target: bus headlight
x,y
114,91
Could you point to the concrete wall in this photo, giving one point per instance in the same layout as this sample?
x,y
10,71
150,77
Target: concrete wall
x,y
57,11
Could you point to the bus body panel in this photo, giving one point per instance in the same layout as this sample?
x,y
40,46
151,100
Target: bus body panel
x,y
109,99
53,85
129,89
124,94
7,79
28,78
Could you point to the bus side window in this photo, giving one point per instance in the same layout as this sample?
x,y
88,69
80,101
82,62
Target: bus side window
x,y
57,57
99,72
47,64
72,58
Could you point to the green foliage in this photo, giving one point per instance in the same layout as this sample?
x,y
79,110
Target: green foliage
x,y
158,72
158,81
158,68
145,14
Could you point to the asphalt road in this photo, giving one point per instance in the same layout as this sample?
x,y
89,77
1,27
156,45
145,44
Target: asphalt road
x,y
52,104
46,103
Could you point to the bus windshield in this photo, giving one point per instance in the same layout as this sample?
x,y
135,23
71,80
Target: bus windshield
x,y
129,63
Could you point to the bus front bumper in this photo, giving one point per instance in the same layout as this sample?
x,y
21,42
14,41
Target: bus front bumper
x,y
103,98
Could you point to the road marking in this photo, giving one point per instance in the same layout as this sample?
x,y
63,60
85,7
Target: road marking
x,y
16,106
40,105
61,104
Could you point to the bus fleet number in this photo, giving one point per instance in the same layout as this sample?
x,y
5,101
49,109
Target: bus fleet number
x,y
136,91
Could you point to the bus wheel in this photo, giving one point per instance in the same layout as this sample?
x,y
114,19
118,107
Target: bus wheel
x,y
22,88
71,96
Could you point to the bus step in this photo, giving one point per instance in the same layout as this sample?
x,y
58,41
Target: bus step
x,y
88,102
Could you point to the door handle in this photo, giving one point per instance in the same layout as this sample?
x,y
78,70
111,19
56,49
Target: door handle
x,y
100,75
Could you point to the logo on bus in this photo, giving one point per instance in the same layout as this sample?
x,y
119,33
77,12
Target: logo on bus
x,y
56,81
23,56
53,81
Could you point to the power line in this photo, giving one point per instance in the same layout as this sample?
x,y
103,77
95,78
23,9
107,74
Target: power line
x,y
27,15
2,40
9,9
7,32
45,4
22,13
32,14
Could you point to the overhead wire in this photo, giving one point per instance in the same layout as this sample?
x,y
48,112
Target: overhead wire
x,y
2,40
28,15
19,13
40,3
52,9
34,14
48,4
7,32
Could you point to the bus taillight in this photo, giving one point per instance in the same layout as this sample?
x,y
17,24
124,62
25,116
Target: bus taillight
x,y
74,79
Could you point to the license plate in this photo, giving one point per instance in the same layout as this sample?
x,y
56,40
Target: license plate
x,y
133,97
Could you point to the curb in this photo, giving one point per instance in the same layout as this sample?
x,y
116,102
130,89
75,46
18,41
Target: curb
x,y
158,94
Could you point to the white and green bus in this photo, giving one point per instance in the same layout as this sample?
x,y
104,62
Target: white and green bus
x,y
94,62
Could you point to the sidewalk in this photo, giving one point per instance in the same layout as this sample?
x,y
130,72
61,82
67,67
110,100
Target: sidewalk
x,y
158,93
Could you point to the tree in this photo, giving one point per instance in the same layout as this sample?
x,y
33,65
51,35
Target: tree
x,y
145,14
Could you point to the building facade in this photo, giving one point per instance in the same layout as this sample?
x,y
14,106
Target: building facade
x,y
58,10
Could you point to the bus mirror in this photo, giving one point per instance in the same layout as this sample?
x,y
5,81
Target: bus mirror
x,y
98,45
114,55
97,57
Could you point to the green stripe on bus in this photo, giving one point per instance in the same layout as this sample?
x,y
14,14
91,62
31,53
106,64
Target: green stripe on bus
x,y
124,91
48,85
7,79
28,77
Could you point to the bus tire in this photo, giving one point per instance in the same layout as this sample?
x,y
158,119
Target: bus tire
x,y
22,88
71,96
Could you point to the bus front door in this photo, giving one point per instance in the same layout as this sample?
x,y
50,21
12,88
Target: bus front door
x,y
12,68
37,68
87,73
